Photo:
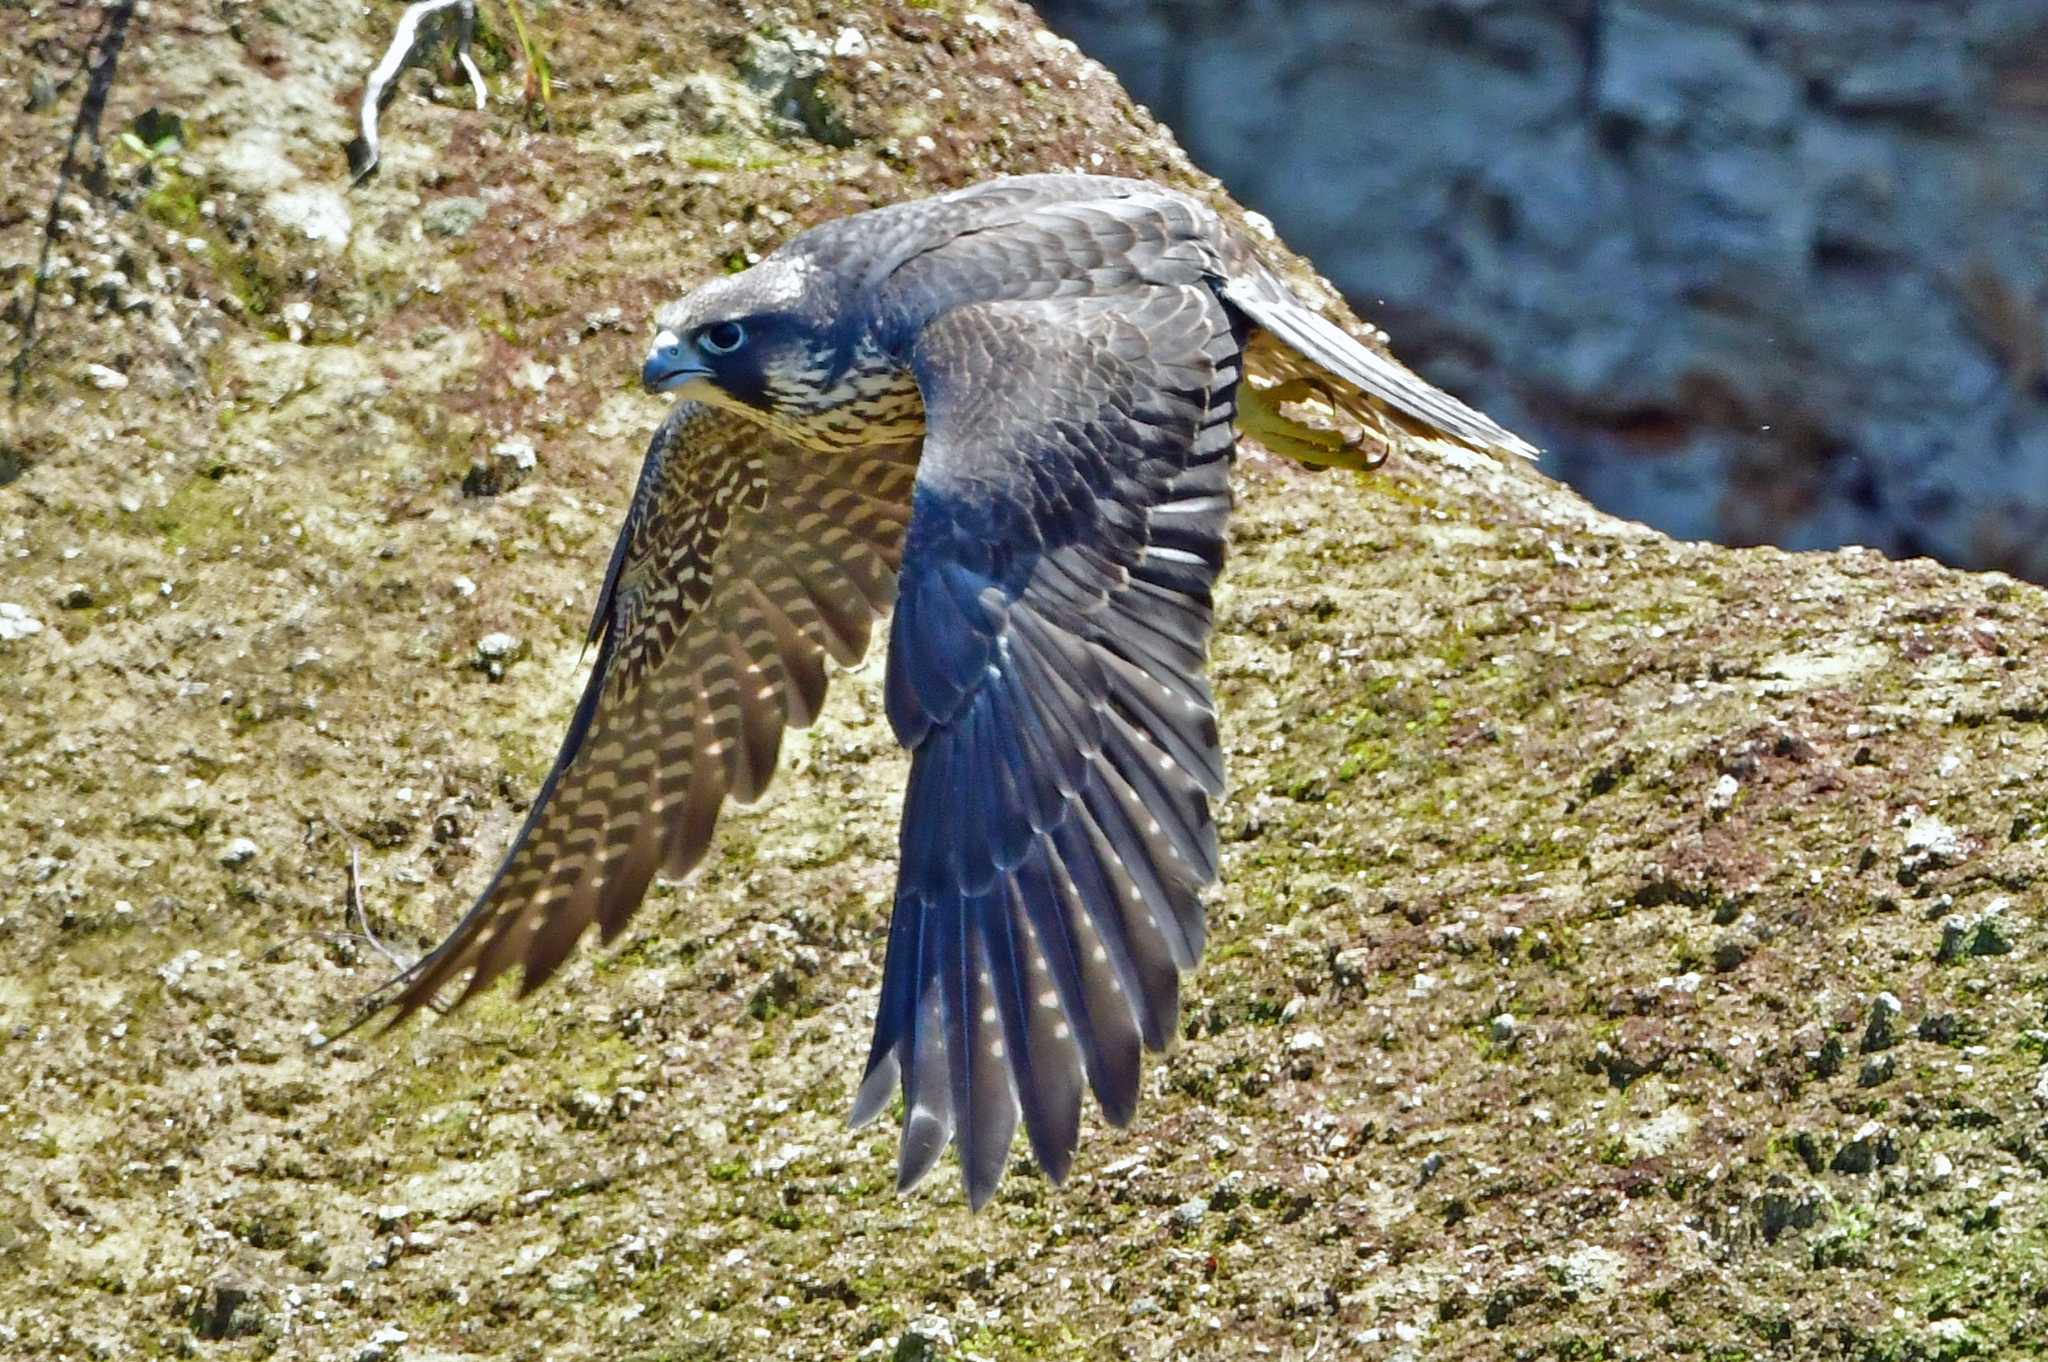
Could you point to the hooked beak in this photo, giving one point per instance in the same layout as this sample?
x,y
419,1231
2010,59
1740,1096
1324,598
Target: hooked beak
x,y
670,364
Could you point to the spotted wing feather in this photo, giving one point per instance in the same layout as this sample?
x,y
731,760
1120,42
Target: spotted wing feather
x,y
744,565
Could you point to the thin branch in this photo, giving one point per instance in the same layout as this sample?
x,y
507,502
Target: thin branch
x,y
362,919
370,1004
111,38
420,30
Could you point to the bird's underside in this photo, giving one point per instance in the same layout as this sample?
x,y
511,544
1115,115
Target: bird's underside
x,y
1049,542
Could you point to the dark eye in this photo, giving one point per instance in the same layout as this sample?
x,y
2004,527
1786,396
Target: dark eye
x,y
722,338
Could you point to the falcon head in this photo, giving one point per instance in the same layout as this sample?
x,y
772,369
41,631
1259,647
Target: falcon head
x,y
751,342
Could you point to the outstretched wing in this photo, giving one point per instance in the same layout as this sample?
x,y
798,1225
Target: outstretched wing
x,y
1045,669
744,564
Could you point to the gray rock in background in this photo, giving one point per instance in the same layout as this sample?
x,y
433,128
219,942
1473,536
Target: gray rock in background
x,y
1751,270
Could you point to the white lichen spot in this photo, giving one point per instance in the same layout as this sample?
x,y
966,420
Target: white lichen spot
x,y
17,623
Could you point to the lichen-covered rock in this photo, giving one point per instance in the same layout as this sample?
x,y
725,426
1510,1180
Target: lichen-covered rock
x,y
1473,731
454,215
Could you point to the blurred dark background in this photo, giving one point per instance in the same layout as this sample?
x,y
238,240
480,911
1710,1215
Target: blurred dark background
x,y
1760,271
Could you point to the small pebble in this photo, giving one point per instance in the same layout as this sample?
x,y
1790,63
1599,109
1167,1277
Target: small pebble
x,y
1955,932
496,651
1878,1033
512,461
1937,1028
1304,1042
381,1344
1991,936
1870,1147
926,1339
238,852
16,622
1930,844
518,451
1731,950
1988,933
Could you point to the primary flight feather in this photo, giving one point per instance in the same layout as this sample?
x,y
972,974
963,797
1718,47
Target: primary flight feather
x,y
1008,412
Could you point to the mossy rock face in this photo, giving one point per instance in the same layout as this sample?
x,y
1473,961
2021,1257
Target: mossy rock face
x,y
1680,814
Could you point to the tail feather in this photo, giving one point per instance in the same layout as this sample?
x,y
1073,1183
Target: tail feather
x,y
1406,396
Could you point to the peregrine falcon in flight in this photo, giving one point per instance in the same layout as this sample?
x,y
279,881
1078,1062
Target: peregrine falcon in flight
x,y
1008,413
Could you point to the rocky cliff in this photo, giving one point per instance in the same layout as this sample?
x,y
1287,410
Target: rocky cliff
x,y
1627,949
1752,270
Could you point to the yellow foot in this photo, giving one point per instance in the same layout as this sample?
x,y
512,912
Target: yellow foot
x,y
1259,416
